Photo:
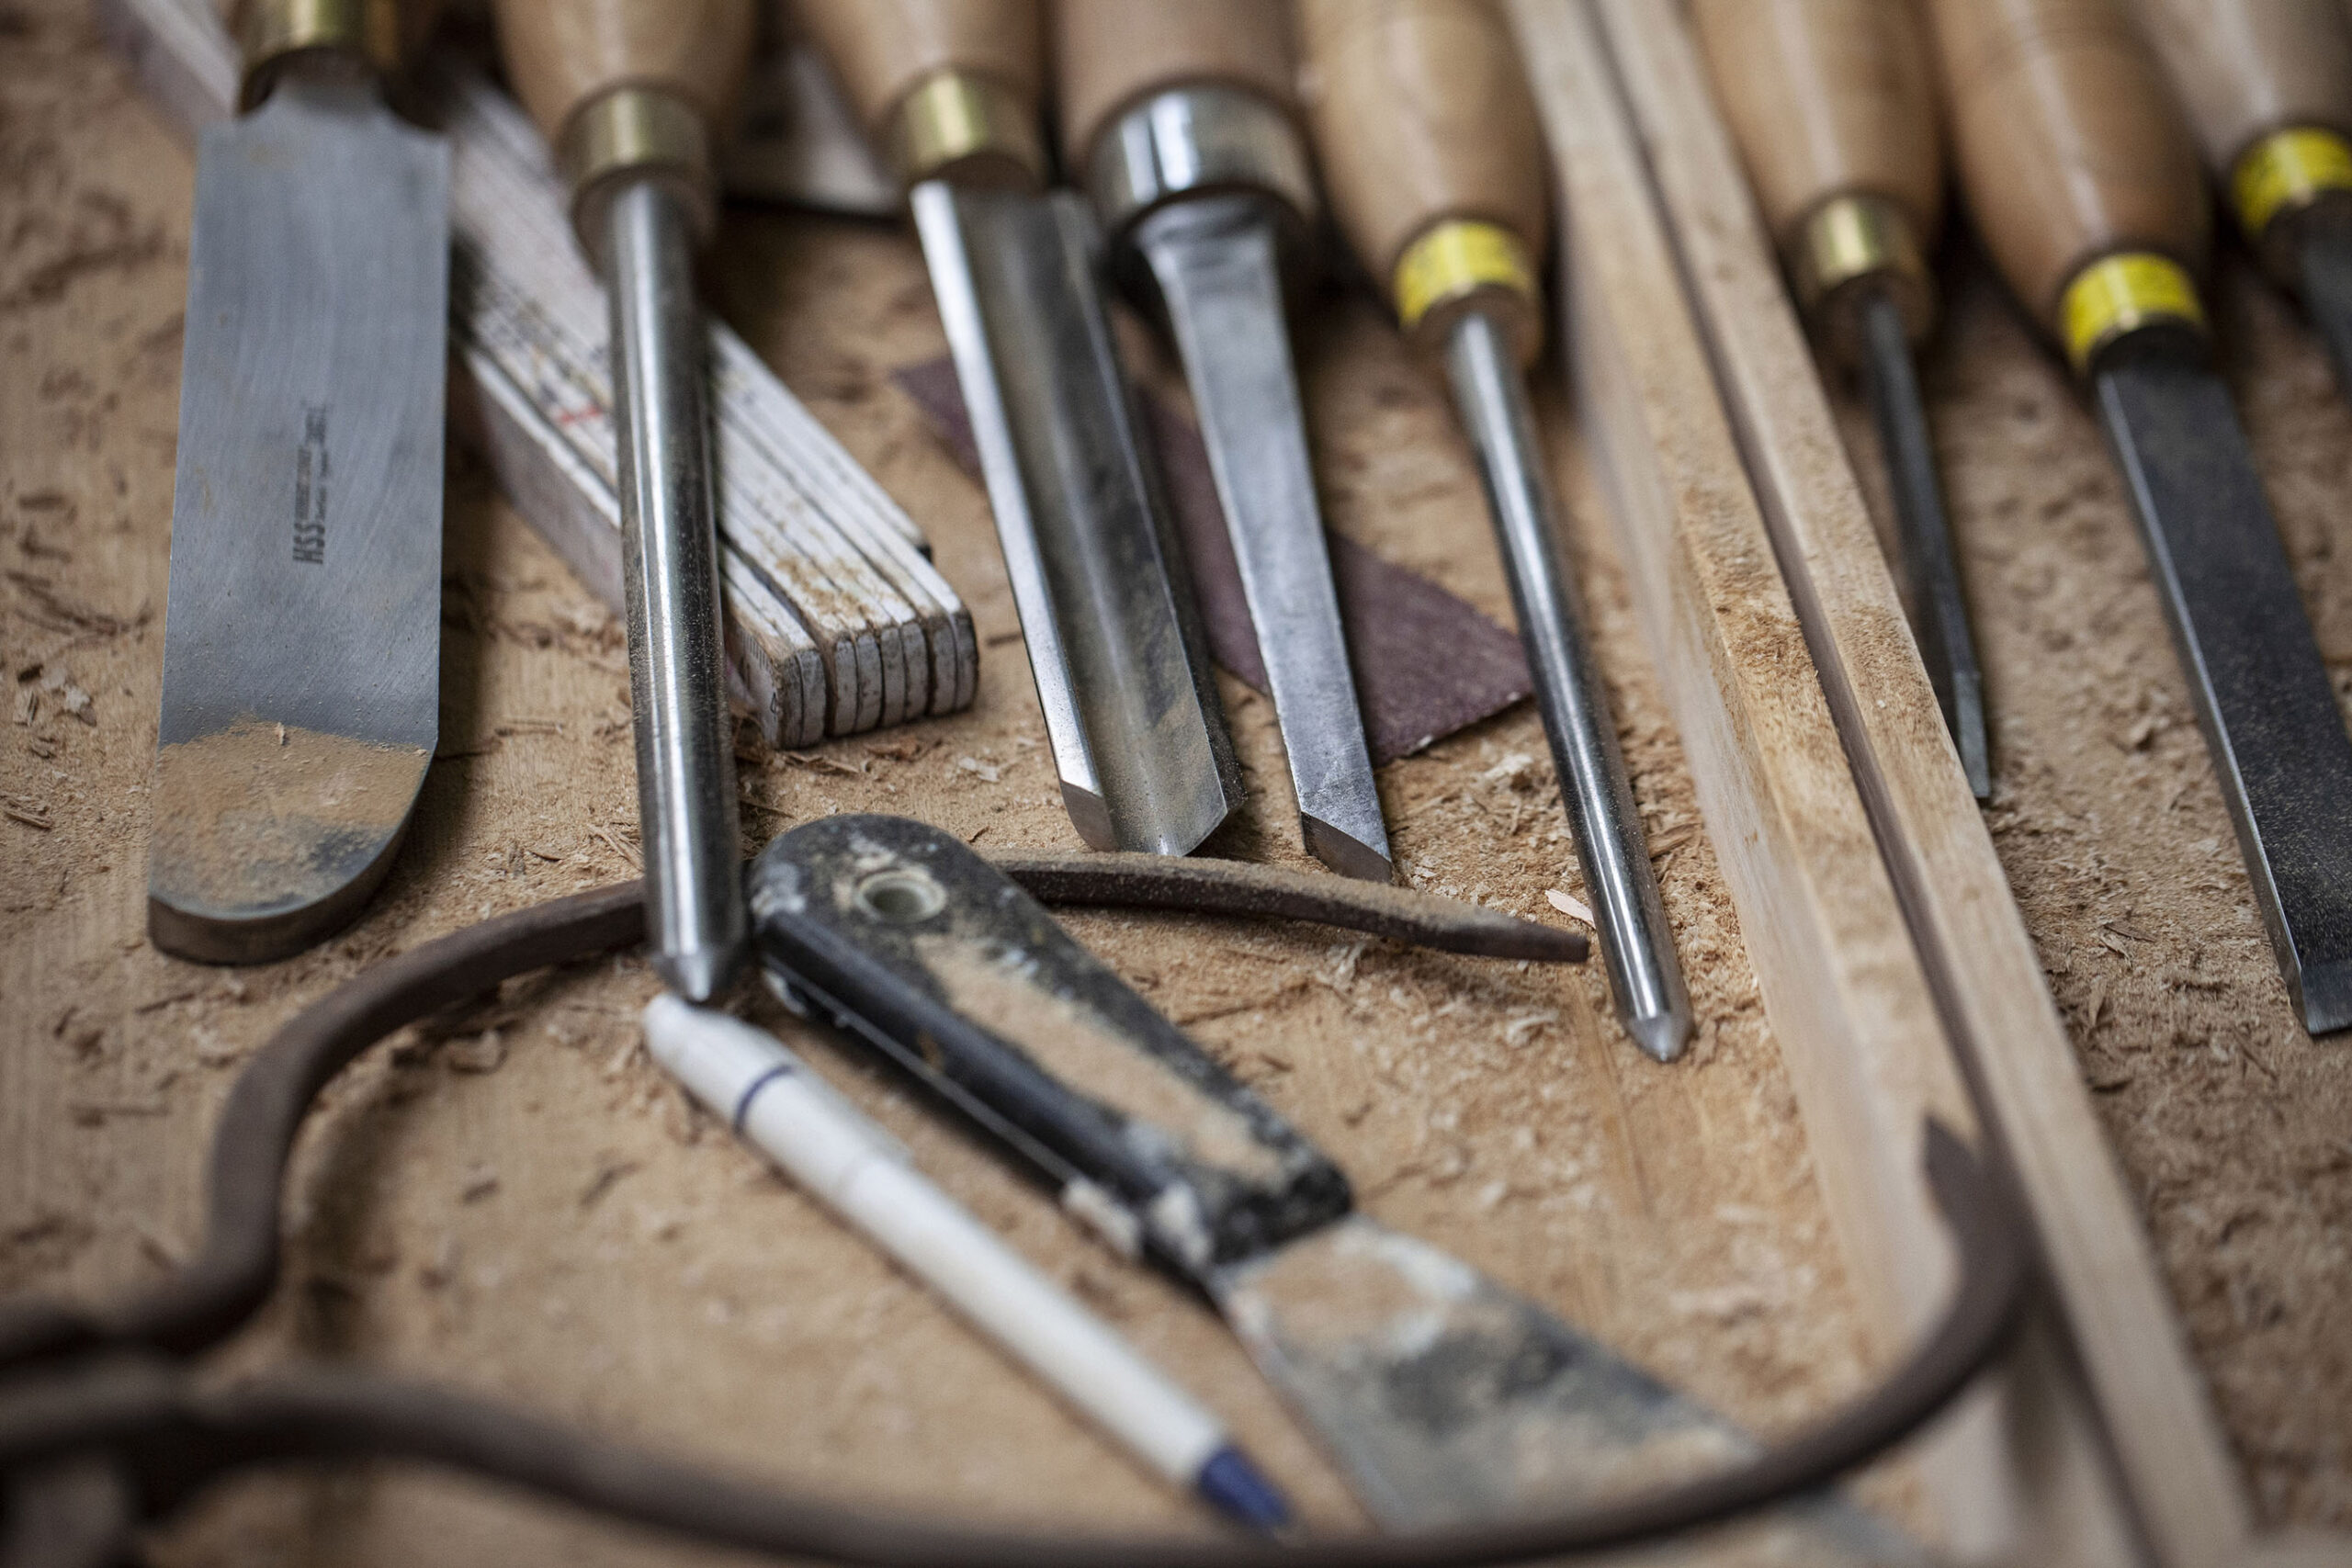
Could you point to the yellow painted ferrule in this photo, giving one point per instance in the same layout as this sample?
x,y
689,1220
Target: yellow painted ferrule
x,y
2120,294
2286,171
1454,259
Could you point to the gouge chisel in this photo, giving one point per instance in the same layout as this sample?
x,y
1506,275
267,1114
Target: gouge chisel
x,y
2086,189
1832,104
302,636
2268,85
949,89
1180,123
1431,154
631,93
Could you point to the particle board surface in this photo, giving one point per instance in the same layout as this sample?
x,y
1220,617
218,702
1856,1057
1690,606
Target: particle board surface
x,y
519,1203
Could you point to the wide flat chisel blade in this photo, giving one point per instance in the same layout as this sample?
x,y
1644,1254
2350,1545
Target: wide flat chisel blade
x,y
2261,690
301,643
1449,1400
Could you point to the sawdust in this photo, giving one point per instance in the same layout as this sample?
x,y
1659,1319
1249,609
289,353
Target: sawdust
x,y
269,816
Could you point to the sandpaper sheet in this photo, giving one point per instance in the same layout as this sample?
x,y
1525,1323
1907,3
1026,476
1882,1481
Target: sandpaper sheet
x,y
1426,663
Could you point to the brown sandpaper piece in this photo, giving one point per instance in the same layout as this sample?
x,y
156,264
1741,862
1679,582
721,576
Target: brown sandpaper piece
x,y
1426,663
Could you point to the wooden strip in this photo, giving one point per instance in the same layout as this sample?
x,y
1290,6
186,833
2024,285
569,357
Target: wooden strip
x,y
1988,979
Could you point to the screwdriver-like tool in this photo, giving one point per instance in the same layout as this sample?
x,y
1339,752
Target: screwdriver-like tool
x,y
630,93
1832,105
1181,122
2087,191
949,88
1431,153
2269,89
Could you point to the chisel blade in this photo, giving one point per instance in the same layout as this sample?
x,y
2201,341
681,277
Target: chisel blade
x,y
2261,690
2324,256
301,642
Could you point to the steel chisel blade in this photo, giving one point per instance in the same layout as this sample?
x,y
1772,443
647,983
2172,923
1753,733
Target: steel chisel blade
x,y
301,644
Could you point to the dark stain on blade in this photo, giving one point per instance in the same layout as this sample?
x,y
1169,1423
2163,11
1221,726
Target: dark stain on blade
x,y
267,837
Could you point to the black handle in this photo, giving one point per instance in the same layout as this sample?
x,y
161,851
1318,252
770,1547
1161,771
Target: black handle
x,y
902,937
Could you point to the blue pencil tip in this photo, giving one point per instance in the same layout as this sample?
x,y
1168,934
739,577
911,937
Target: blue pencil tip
x,y
1235,1488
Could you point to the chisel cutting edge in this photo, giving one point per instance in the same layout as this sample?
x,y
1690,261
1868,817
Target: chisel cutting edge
x,y
303,637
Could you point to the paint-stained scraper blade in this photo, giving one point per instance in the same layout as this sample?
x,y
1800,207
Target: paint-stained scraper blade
x,y
303,637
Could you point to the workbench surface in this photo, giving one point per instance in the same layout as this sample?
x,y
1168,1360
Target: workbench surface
x,y
519,1203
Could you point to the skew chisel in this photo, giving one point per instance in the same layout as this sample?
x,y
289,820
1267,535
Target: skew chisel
x,y
302,636
1832,105
1429,146
2268,85
2087,191
1181,122
629,93
950,89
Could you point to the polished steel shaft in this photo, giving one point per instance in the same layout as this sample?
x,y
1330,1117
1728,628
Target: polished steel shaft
x,y
1636,942
686,766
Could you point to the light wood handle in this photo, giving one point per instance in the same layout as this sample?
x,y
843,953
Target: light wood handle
x,y
564,54
944,87
1110,55
1828,98
2244,68
1422,120
2069,145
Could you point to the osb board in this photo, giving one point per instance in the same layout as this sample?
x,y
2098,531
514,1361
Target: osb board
x,y
528,1208
2233,1126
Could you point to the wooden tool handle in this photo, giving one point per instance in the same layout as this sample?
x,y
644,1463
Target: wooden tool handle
x,y
564,54
1828,98
1110,55
1430,147
946,87
2246,68
2068,143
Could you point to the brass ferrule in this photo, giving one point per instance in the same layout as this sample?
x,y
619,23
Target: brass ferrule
x,y
632,134
1851,244
2282,176
971,129
272,33
1462,264
2120,294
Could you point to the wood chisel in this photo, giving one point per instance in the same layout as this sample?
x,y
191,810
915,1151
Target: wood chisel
x,y
1832,105
1181,122
949,88
1431,150
2269,89
302,638
629,93
2087,191
1443,1396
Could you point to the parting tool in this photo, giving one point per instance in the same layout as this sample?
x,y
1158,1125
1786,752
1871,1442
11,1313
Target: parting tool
x,y
1832,104
1430,147
2269,89
949,88
1181,121
2087,191
302,637
630,92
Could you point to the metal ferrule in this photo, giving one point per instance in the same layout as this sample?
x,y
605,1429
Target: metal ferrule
x,y
272,33
1459,264
631,134
2282,176
2120,295
1852,245
971,131
1198,141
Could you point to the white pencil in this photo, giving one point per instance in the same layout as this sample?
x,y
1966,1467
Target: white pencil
x,y
770,1098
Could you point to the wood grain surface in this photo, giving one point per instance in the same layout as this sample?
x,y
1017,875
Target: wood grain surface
x,y
1829,98
561,53
1110,55
2068,140
882,50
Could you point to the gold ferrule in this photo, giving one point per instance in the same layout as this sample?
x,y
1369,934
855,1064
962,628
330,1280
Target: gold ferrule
x,y
1854,240
2122,294
2285,173
1459,262
971,129
272,31
636,133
